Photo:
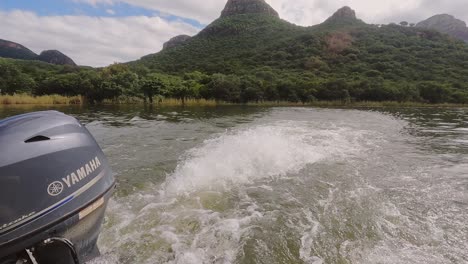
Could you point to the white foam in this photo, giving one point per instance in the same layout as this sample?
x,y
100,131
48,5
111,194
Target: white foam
x,y
307,240
175,217
268,151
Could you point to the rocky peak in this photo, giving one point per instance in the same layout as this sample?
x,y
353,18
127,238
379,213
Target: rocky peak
x,y
9,44
443,20
55,57
12,50
238,7
345,13
176,41
9,49
447,24
344,16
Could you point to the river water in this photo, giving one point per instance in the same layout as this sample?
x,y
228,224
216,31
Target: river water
x,y
283,185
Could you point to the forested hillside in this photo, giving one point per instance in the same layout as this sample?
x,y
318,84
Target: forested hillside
x,y
342,58
251,54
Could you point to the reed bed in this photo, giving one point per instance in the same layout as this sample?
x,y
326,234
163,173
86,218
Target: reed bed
x,y
25,99
339,103
190,102
21,99
160,101
380,104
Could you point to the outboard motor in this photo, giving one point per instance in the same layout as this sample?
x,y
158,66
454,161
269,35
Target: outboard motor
x,y
55,183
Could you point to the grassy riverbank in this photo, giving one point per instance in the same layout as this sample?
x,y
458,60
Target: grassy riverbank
x,y
381,104
24,99
166,102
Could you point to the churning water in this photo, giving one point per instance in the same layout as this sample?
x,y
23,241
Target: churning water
x,y
284,185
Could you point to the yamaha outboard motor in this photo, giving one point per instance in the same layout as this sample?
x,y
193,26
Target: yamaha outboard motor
x,y
55,183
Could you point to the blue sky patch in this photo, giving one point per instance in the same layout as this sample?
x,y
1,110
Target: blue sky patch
x,y
68,7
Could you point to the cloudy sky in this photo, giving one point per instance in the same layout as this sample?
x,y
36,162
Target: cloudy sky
x,y
101,32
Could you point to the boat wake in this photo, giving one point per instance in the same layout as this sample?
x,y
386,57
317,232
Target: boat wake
x,y
204,212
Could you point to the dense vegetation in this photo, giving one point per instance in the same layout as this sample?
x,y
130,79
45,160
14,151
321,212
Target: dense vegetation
x,y
251,58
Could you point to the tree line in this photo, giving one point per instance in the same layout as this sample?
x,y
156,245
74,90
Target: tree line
x,y
264,84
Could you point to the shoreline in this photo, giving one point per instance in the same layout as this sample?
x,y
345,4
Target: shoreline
x,y
19,100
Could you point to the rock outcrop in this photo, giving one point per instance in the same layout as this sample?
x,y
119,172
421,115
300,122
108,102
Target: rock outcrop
x,y
447,24
176,41
344,16
239,7
55,57
12,50
344,13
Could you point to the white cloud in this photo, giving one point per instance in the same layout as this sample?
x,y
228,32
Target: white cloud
x,y
110,11
98,41
428,8
204,12
95,2
91,40
311,12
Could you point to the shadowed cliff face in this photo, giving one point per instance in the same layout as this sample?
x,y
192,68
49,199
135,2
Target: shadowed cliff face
x,y
343,16
14,50
345,12
55,57
8,44
176,41
238,7
447,24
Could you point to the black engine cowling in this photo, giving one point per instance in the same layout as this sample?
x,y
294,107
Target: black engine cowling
x,y
55,183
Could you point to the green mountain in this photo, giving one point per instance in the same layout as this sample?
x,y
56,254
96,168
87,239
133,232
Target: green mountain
x,y
236,7
446,24
250,54
342,45
176,41
341,58
246,40
12,50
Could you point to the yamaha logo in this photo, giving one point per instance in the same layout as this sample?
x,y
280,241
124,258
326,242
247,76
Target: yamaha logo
x,y
74,178
55,188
